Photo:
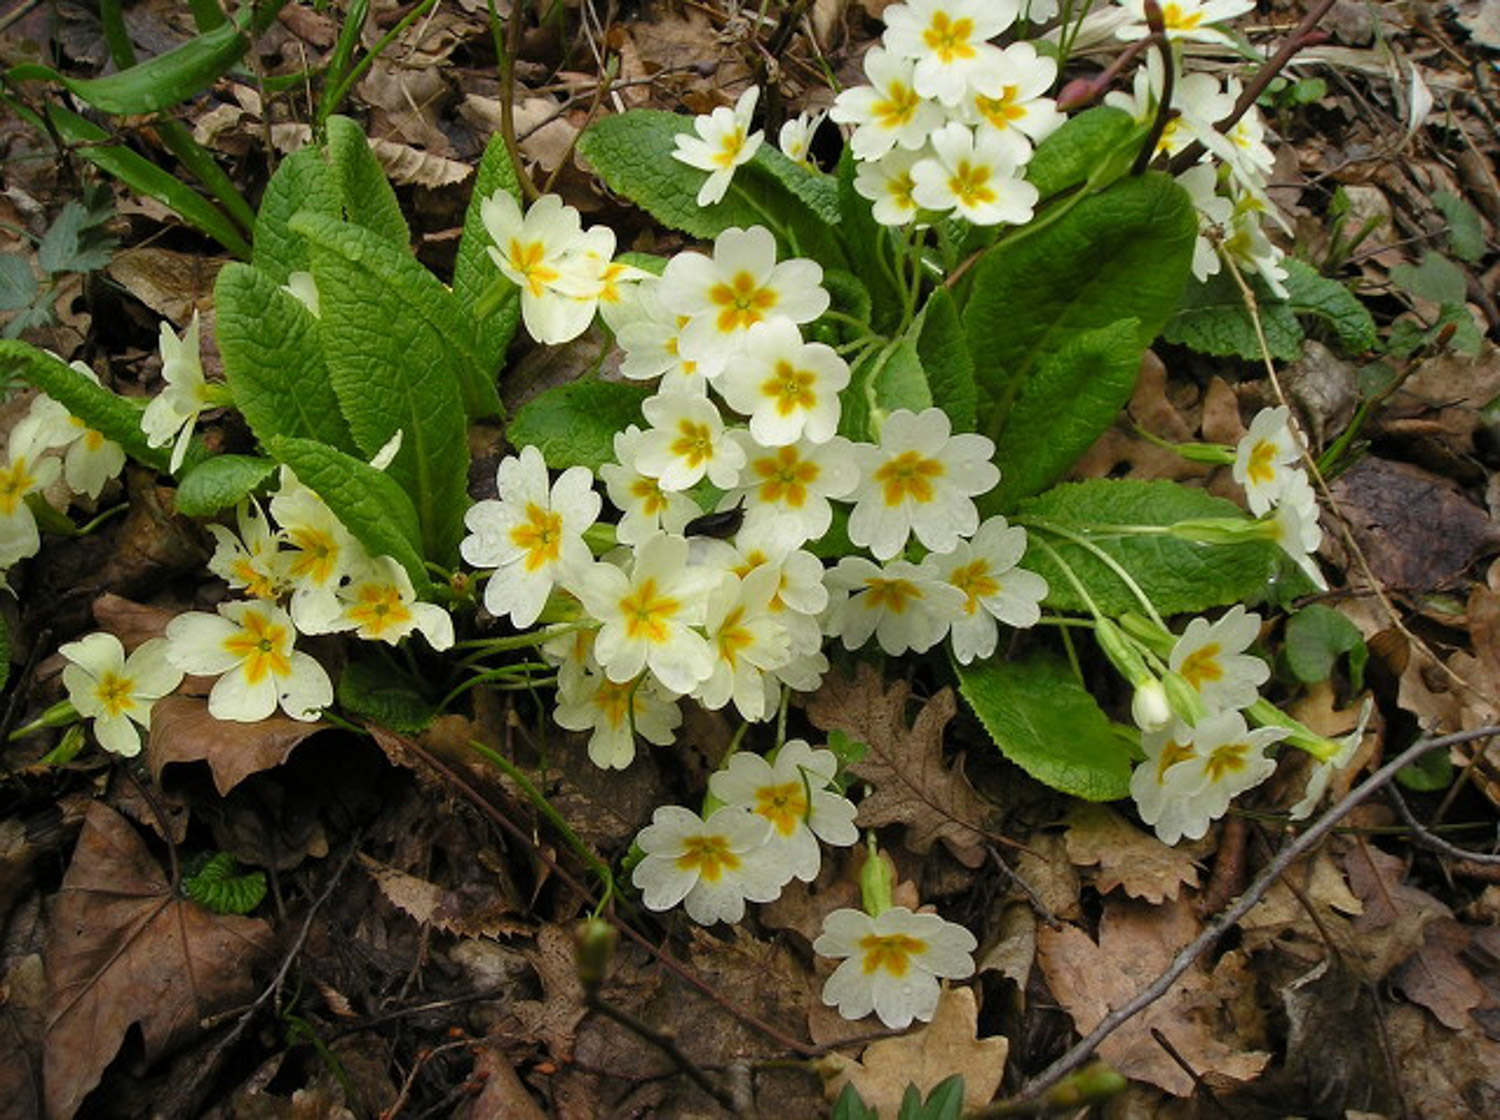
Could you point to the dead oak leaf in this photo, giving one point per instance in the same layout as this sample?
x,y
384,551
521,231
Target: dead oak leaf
x,y
1127,857
1136,944
947,1045
125,950
471,910
183,731
913,785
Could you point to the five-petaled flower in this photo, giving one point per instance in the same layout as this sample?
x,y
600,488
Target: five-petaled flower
x,y
788,388
249,647
710,866
895,963
994,588
116,691
724,142
1211,658
948,41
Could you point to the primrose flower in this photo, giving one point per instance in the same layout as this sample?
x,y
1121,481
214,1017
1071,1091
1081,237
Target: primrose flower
x,y
724,141
652,345
531,535
170,416
1265,457
115,691
739,286
1185,20
888,183
906,606
947,40
380,605
1294,526
793,482
1011,101
994,588
648,616
1198,103
922,480
793,793
685,442
319,553
27,470
247,560
796,135
615,713
1201,181
1251,249
747,642
788,388
303,287
544,254
1323,772
888,113
1210,657
975,176
711,866
90,460
1192,774
249,647
895,963
644,505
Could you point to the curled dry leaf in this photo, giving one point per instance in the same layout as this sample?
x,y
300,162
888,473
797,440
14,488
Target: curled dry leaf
x,y
183,731
945,1046
125,950
1127,857
404,165
913,784
472,910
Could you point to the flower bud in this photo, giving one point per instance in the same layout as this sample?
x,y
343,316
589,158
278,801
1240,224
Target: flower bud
x,y
1149,707
594,942
877,877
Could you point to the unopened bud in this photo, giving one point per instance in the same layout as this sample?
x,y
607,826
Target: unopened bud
x,y
1149,707
877,878
594,942
1219,530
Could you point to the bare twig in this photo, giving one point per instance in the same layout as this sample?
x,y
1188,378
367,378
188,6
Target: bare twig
x,y
1427,839
1037,905
1084,1049
668,1046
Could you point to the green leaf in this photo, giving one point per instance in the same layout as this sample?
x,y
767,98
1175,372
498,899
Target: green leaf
x,y
367,501
221,482
1436,279
66,247
1177,575
1331,301
1071,398
819,192
378,691
475,272
303,181
1316,637
1213,320
847,294
945,357
397,349
946,1101
869,249
273,359
18,286
113,416
885,379
851,1106
1122,254
1430,773
575,424
1049,725
1465,230
217,887
1083,144
366,193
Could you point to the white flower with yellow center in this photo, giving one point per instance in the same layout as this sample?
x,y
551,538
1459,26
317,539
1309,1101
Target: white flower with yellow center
x,y
888,183
888,113
894,963
1185,20
685,442
792,791
249,647
531,535
994,589
615,713
710,866
1158,802
596,277
543,254
724,142
319,552
1323,772
1198,102
644,506
747,642
27,470
1251,249
947,40
788,388
795,137
1211,657
1214,214
1198,771
648,616
741,285
1294,527
921,479
793,482
91,460
1011,101
171,414
906,606
248,560
651,341
116,691
380,605
975,176
1265,458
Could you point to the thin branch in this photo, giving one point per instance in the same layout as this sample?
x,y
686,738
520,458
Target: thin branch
x,y
668,1046
1425,837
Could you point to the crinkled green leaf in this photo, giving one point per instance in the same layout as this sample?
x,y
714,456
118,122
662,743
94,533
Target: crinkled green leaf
x,y
1310,293
397,345
475,272
945,357
1073,396
369,503
18,286
303,181
889,378
363,188
221,482
1435,278
819,192
1084,143
575,424
217,887
1465,230
1177,575
1049,725
273,359
1213,320
1316,637
378,691
869,248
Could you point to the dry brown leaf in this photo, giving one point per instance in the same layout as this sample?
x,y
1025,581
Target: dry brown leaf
x,y
172,284
1014,950
404,164
23,1016
1136,944
1127,857
503,1094
554,1018
1396,914
183,731
945,1046
913,785
1436,976
125,950
472,910
1281,917
1445,1075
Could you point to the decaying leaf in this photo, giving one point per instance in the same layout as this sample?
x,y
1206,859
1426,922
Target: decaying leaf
x,y
479,912
947,1045
1136,944
404,164
183,731
1396,914
913,784
1127,857
554,1018
1437,977
125,950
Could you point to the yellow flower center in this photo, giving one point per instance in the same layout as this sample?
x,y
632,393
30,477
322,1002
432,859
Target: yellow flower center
x,y
614,701
1001,111
908,475
949,38
786,477
709,856
257,582
970,183
741,303
1202,665
648,492
262,646
1261,469
115,693
529,259
975,581
378,608
890,953
733,637
694,442
317,555
1171,754
648,613
892,594
1227,759
897,108
16,481
791,388
540,535
730,146
899,187
1175,19
785,806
